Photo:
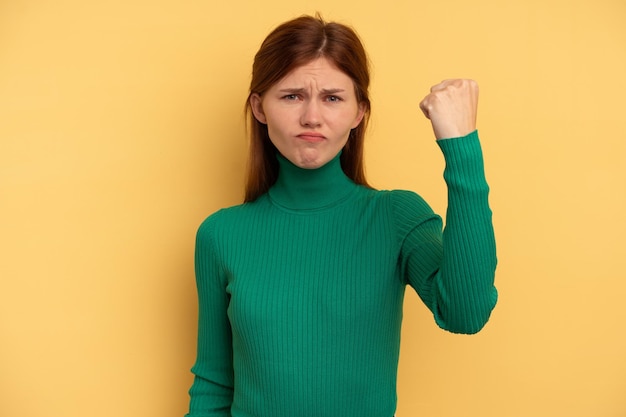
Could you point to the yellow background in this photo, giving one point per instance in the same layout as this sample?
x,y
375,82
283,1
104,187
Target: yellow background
x,y
121,128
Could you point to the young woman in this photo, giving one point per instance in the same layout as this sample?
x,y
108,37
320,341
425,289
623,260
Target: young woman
x,y
301,287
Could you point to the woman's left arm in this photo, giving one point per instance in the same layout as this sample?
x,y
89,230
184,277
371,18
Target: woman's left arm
x,y
457,281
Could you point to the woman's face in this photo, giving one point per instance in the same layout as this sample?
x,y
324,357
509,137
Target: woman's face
x,y
309,113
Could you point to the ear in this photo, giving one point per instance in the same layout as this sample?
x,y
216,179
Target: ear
x,y
359,116
256,104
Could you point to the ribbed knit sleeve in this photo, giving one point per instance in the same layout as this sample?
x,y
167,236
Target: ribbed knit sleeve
x,y
212,391
453,272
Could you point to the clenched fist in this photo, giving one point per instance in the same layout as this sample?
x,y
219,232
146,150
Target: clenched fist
x,y
451,107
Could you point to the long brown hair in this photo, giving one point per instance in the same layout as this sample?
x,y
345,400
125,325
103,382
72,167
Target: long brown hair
x,y
292,44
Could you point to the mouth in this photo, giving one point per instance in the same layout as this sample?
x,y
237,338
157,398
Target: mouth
x,y
311,136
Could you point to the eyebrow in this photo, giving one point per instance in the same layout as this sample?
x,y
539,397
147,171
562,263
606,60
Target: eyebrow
x,y
302,90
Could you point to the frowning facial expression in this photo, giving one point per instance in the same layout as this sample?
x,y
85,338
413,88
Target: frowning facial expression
x,y
309,113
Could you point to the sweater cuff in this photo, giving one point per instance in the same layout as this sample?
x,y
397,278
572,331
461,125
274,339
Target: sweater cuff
x,y
464,161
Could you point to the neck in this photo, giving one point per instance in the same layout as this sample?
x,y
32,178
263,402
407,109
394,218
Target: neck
x,y
298,188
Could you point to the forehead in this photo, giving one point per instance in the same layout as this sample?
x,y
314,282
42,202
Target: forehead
x,y
319,71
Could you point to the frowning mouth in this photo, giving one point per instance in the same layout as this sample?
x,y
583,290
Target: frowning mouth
x,y
311,136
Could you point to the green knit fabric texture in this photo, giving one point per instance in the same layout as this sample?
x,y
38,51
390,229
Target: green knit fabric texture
x,y
300,292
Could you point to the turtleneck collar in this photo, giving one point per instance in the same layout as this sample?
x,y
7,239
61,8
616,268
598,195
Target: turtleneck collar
x,y
301,189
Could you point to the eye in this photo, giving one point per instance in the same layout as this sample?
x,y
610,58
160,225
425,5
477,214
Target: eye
x,y
333,99
290,97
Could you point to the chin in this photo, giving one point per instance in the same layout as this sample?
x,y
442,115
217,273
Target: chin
x,y
305,162
309,165
313,160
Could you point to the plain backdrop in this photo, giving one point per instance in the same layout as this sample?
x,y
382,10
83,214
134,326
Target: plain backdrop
x,y
121,129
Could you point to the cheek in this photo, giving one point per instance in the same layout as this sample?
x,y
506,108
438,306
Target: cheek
x,y
274,130
277,122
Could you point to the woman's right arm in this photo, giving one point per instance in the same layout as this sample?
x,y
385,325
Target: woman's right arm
x,y
212,391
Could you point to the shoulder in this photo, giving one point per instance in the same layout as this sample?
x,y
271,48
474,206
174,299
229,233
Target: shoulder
x,y
397,200
229,218
409,200
404,202
407,210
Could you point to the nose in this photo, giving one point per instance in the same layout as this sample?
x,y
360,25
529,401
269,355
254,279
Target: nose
x,y
310,114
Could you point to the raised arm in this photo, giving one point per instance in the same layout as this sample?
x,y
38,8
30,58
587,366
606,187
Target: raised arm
x,y
454,271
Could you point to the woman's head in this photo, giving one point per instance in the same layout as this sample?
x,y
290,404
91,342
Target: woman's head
x,y
296,45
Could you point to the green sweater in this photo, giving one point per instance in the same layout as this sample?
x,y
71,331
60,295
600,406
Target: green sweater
x,y
300,292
